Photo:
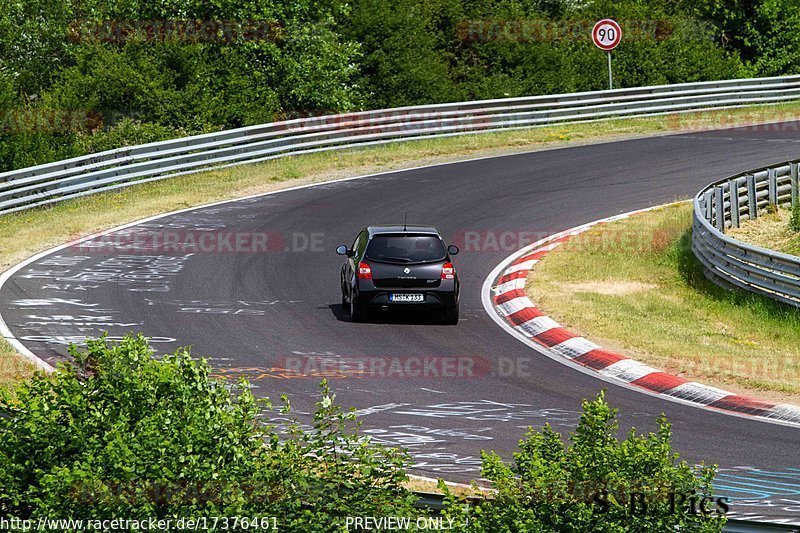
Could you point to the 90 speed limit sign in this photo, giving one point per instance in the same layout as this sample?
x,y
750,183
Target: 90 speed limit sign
x,y
606,34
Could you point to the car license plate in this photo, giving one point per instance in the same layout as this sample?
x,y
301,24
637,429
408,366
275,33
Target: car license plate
x,y
406,298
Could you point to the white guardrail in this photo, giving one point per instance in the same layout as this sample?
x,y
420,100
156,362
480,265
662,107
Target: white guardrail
x,y
122,167
727,261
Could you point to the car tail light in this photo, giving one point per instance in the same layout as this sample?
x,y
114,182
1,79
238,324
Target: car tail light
x,y
364,271
448,271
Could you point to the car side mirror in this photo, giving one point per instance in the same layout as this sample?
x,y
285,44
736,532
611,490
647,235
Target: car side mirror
x,y
342,250
452,249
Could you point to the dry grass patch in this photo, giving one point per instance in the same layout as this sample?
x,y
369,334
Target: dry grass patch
x,y
418,484
13,367
612,288
770,231
634,286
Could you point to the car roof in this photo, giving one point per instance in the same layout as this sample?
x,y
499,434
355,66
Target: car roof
x,y
382,229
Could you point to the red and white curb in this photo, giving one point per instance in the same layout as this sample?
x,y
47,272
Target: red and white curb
x,y
505,299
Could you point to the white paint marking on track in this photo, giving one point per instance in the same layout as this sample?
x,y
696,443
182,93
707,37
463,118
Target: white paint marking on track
x,y
574,347
538,325
697,392
509,286
527,265
628,370
512,306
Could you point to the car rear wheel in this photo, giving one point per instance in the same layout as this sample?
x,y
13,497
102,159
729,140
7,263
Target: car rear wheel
x,y
451,315
357,313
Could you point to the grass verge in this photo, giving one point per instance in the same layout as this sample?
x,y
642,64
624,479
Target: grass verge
x,y
13,367
28,232
635,287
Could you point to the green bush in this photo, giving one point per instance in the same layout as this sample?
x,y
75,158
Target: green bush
x,y
794,221
595,483
121,434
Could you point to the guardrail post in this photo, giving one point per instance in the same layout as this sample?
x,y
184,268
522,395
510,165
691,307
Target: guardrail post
x,y
794,176
707,199
733,189
772,180
719,204
752,199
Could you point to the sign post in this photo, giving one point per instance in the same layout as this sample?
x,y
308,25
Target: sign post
x,y
606,35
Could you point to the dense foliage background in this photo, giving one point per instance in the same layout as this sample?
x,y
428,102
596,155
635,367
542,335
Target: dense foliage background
x,y
80,76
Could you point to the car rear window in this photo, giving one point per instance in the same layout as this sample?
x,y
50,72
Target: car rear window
x,y
405,248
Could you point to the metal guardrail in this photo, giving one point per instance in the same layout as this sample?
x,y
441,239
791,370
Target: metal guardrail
x,y
727,261
112,169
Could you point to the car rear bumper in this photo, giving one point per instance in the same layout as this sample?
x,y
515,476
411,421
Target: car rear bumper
x,y
433,300
443,296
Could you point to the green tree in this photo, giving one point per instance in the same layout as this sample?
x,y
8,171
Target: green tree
x,y
772,33
761,32
404,60
121,434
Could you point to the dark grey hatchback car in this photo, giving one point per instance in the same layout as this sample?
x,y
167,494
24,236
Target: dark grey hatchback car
x,y
399,267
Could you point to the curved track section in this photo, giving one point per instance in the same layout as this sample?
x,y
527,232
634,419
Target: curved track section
x,y
268,307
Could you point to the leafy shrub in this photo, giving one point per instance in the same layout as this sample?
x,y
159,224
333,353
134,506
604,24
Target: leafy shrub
x,y
794,221
120,434
596,483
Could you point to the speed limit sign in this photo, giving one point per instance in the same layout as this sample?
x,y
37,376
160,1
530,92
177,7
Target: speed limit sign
x,y
606,34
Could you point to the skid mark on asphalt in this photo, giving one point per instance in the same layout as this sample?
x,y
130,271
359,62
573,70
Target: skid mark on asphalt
x,y
221,307
430,448
493,411
433,430
137,273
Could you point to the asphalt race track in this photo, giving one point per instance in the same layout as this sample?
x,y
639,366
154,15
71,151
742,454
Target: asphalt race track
x,y
262,314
